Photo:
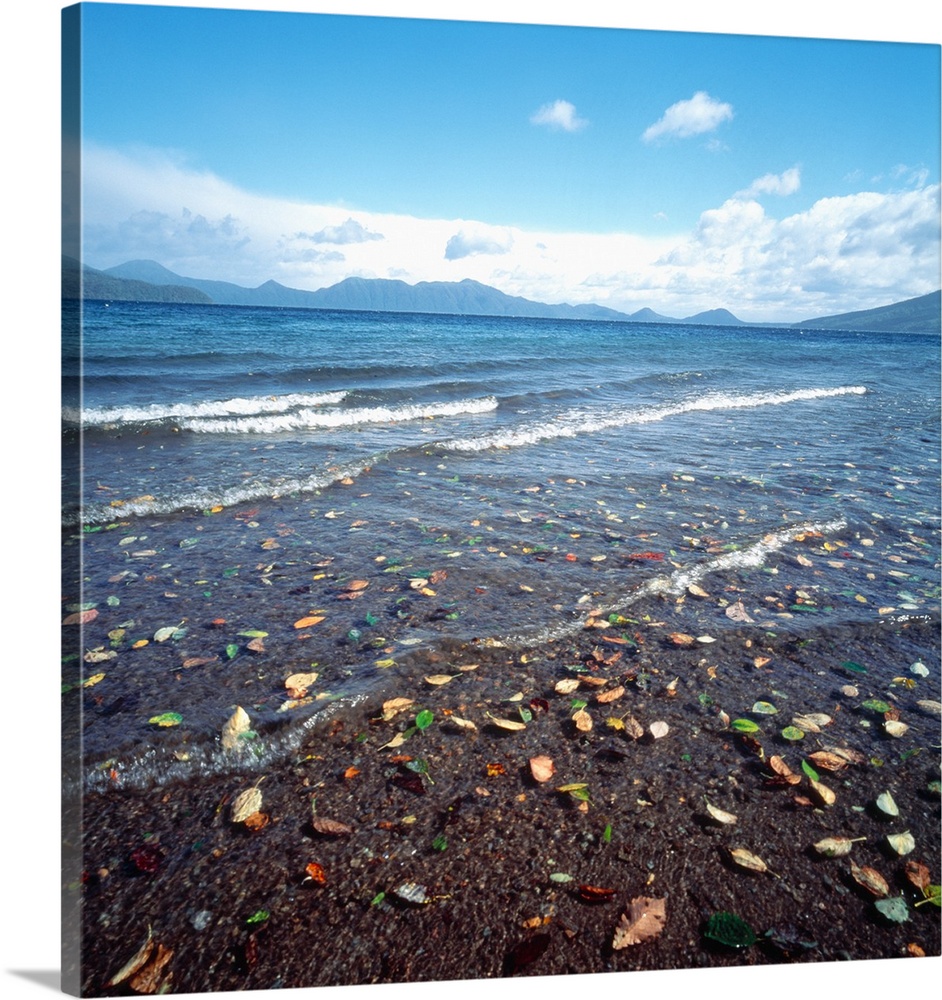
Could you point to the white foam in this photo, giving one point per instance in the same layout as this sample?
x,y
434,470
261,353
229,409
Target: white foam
x,y
311,419
577,422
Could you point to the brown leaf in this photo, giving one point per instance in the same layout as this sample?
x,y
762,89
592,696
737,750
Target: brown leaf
x,y
737,612
582,721
542,768
827,761
151,977
634,728
199,661
438,576
918,874
826,796
394,706
257,645
612,694
246,804
330,827
355,585
297,684
595,893
257,821
644,919
681,639
81,617
135,962
746,859
870,879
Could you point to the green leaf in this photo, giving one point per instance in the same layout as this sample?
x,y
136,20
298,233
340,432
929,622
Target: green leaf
x,y
856,667
525,714
440,843
893,908
933,894
258,917
231,650
875,705
793,733
607,835
371,619
560,877
418,765
254,633
577,703
166,719
730,930
423,720
744,726
377,899
810,771
764,708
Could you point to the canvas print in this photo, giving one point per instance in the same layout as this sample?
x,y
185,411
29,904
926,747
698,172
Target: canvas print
x,y
500,522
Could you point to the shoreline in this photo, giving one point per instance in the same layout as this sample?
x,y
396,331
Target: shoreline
x,y
495,850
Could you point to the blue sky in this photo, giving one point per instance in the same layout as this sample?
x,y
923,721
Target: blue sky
x,y
781,177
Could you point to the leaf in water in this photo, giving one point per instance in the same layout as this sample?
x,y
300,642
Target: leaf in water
x,y
542,768
394,706
836,847
894,909
730,930
764,708
330,827
748,860
246,804
870,879
737,612
423,720
902,843
659,729
308,621
887,804
297,684
720,815
744,726
237,724
166,719
696,591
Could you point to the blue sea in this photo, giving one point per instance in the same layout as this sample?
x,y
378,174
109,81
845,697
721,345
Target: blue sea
x,y
423,483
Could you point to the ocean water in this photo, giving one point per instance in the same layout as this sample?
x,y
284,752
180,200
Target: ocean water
x,y
426,483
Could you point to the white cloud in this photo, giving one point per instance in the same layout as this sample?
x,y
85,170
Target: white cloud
x,y
350,231
559,115
785,183
467,244
700,114
839,255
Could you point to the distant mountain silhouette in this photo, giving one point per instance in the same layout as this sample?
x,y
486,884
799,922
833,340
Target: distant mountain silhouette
x,y
149,281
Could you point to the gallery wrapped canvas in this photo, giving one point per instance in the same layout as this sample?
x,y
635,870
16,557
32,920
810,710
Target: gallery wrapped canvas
x,y
500,515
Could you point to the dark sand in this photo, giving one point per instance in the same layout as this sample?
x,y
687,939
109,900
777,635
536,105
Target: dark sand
x,y
501,858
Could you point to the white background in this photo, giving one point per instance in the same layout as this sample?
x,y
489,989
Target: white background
x,y
29,557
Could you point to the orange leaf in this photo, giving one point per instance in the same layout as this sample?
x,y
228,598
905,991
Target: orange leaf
x,y
311,620
595,893
316,872
494,769
357,585
257,821
351,772
330,827
542,768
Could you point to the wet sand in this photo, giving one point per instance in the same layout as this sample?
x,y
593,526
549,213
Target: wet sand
x,y
452,862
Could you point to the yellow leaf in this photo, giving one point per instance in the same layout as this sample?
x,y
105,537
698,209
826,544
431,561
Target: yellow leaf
x,y
93,680
438,679
385,663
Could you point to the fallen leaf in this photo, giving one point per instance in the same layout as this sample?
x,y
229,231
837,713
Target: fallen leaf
x,y
355,585
246,804
720,815
612,694
151,978
462,723
634,728
826,796
746,859
828,761
394,706
813,722
237,723
870,879
902,843
509,724
894,728
135,962
81,617
297,684
582,721
595,893
918,874
658,729
644,919
438,679
887,804
310,620
330,827
737,612
315,873
567,685
681,639
836,847
542,768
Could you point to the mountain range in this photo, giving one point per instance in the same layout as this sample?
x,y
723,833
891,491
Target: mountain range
x,y
148,281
